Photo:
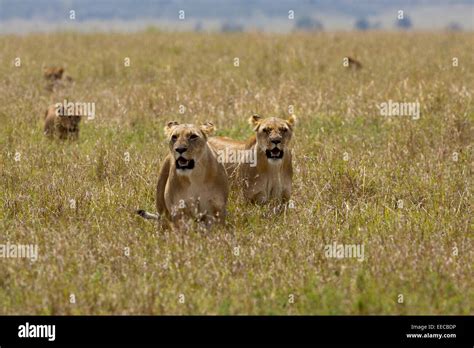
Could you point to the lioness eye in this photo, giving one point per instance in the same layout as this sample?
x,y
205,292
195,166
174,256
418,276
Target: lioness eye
x,y
193,136
266,130
283,130
174,137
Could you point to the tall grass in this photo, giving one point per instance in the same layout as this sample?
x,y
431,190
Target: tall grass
x,y
352,168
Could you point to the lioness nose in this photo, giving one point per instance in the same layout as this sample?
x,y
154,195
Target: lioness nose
x,y
180,150
276,141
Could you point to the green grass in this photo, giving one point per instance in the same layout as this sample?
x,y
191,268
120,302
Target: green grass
x,y
408,250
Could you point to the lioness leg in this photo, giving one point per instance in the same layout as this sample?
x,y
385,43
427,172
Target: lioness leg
x,y
160,188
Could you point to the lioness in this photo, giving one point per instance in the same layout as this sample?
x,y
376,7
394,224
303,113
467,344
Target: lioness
x,y
270,178
192,184
56,78
53,73
58,123
354,64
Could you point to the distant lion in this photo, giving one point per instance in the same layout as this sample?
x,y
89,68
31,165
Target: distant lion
x,y
53,73
192,184
271,177
58,124
354,64
56,77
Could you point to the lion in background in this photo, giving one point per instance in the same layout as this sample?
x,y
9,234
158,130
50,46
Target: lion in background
x,y
57,123
56,78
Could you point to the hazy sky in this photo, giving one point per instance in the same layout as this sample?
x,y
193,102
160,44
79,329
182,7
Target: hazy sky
x,y
20,16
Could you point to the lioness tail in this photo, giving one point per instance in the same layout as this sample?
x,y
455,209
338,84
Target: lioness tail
x,y
146,215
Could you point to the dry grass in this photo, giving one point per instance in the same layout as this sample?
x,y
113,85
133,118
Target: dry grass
x,y
408,250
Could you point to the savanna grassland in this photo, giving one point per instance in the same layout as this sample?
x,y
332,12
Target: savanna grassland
x,y
400,187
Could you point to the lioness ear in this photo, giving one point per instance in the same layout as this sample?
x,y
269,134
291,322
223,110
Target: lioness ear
x,y
255,120
208,128
291,121
169,126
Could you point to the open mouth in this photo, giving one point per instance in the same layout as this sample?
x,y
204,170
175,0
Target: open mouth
x,y
274,153
183,163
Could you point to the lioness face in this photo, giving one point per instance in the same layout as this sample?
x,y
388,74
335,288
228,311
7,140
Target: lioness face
x,y
187,143
68,122
53,73
273,135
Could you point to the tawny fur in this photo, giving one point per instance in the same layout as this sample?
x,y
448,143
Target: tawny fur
x,y
63,127
269,179
56,78
53,73
354,64
197,194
